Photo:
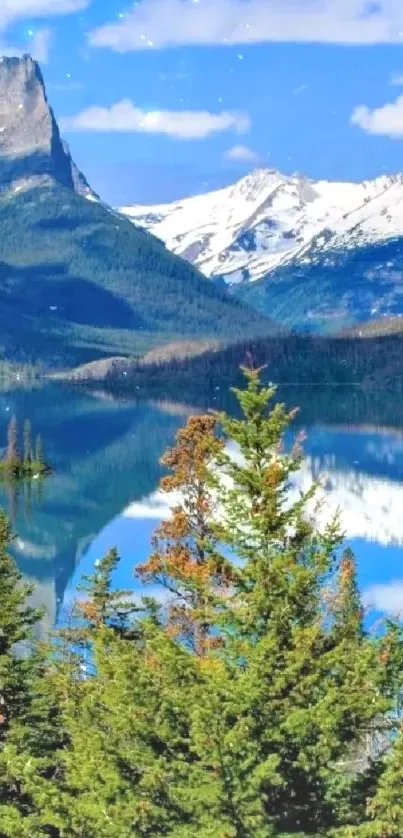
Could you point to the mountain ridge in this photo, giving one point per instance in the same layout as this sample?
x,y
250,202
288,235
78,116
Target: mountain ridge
x,y
267,220
314,255
78,281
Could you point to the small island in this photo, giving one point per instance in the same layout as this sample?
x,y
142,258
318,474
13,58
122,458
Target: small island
x,y
31,463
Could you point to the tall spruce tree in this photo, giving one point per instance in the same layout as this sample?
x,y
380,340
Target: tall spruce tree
x,y
308,681
105,605
16,621
39,456
13,453
123,770
186,558
384,811
19,667
242,706
27,441
288,694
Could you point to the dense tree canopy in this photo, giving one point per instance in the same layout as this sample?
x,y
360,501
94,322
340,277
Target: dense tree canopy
x,y
249,699
79,282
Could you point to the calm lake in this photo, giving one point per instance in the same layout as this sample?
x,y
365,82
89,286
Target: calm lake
x,y
105,452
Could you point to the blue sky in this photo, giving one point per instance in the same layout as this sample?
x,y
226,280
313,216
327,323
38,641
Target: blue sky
x,y
164,98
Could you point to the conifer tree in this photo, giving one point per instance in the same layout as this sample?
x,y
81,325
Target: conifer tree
x,y
31,757
308,682
289,683
124,767
104,604
186,558
347,609
240,708
16,621
13,454
294,683
39,449
18,666
385,810
27,441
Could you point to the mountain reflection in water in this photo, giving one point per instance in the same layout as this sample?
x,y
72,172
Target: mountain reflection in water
x,y
105,451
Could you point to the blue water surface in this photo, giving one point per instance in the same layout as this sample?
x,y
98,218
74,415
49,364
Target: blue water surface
x,y
103,493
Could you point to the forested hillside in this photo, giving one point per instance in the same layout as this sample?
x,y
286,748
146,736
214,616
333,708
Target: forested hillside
x,y
78,282
294,359
334,289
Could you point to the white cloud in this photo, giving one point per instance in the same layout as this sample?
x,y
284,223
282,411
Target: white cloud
x,y
38,46
170,23
183,125
386,597
384,121
13,10
371,506
156,506
242,153
397,79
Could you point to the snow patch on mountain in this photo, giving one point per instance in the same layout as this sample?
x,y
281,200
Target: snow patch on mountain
x,y
267,219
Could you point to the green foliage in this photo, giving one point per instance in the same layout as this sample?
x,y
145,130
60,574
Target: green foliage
x,y
15,466
18,673
246,702
331,292
16,616
39,449
79,282
385,809
312,681
13,454
103,604
28,442
293,682
288,360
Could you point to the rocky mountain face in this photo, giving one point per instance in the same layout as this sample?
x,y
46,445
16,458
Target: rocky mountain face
x,y
78,282
32,152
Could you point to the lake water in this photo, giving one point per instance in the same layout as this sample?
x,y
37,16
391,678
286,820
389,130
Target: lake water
x,y
103,493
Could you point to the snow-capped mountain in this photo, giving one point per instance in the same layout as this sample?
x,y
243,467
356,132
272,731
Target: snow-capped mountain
x,y
267,220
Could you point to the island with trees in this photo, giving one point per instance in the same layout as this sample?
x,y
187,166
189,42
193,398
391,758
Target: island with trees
x,y
28,464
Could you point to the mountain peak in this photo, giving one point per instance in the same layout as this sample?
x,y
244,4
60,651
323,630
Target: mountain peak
x,y
261,177
10,61
268,219
31,149
261,173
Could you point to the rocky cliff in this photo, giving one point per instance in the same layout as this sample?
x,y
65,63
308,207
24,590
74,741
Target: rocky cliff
x,y
32,152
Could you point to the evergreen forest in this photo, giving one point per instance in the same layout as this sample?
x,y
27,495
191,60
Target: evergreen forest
x,y
79,282
251,697
28,464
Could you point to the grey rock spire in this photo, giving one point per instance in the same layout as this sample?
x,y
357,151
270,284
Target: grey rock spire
x,y
31,149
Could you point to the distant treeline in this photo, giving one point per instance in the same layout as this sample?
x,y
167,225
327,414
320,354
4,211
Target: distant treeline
x,y
296,359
